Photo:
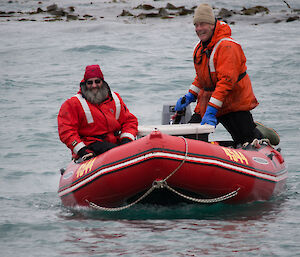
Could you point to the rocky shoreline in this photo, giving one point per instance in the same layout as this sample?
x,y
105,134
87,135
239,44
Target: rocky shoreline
x,y
256,14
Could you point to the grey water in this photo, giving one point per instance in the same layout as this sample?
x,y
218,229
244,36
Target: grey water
x,y
149,62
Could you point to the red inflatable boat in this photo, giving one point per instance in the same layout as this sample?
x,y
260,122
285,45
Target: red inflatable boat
x,y
163,167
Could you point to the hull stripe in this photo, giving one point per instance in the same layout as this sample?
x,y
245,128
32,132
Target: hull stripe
x,y
202,161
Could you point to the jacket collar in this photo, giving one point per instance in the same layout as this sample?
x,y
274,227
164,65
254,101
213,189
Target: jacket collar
x,y
221,30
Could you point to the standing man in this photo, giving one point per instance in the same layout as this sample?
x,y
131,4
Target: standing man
x,y
222,86
96,119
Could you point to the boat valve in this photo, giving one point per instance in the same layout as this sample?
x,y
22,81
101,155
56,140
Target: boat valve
x,y
155,134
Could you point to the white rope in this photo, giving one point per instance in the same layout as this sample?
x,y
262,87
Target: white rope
x,y
208,200
183,161
95,206
257,142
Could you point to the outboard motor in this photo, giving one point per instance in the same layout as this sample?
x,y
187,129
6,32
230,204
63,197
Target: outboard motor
x,y
170,116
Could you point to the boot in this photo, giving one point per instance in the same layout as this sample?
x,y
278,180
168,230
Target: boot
x,y
268,133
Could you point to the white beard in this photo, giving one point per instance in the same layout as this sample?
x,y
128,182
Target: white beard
x,y
93,96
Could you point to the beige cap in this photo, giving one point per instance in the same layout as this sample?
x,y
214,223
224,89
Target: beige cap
x,y
204,13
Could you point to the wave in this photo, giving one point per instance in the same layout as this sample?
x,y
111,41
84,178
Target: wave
x,y
97,49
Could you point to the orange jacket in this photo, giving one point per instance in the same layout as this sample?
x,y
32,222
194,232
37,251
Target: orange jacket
x,y
221,79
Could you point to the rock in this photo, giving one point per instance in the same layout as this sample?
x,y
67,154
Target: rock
x,y
148,15
52,7
163,12
254,10
72,17
53,19
145,7
39,10
5,14
224,13
184,11
141,16
58,12
88,16
173,7
125,13
71,9
294,18
23,19
152,15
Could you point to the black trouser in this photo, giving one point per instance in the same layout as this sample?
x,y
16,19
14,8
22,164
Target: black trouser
x,y
240,125
99,147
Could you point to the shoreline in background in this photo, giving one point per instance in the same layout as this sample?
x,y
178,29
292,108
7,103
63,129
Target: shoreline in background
x,y
132,12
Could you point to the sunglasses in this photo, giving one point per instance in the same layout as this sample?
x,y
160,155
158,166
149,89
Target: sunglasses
x,y
90,82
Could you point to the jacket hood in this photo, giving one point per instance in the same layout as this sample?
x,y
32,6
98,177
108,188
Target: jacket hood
x,y
222,30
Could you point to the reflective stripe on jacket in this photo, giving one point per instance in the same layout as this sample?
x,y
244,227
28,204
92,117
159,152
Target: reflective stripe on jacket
x,y
221,78
81,123
87,110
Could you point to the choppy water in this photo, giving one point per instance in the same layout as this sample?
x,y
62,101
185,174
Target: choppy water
x,y
149,63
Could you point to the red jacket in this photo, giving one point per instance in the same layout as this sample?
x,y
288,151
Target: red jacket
x,y
81,123
221,80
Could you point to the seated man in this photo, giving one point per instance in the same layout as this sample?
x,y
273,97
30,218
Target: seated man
x,y
96,119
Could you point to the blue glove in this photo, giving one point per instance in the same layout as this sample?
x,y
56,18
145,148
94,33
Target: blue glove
x,y
210,116
184,101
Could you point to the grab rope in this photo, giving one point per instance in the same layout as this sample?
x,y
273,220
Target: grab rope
x,y
163,184
183,161
257,142
95,206
208,200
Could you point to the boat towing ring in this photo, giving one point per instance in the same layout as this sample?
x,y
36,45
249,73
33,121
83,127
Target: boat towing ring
x,y
159,184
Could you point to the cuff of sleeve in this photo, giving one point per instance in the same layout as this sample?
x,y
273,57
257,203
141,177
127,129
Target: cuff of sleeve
x,y
77,148
128,135
215,103
194,90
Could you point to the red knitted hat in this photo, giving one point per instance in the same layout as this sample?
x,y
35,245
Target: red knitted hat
x,y
93,71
